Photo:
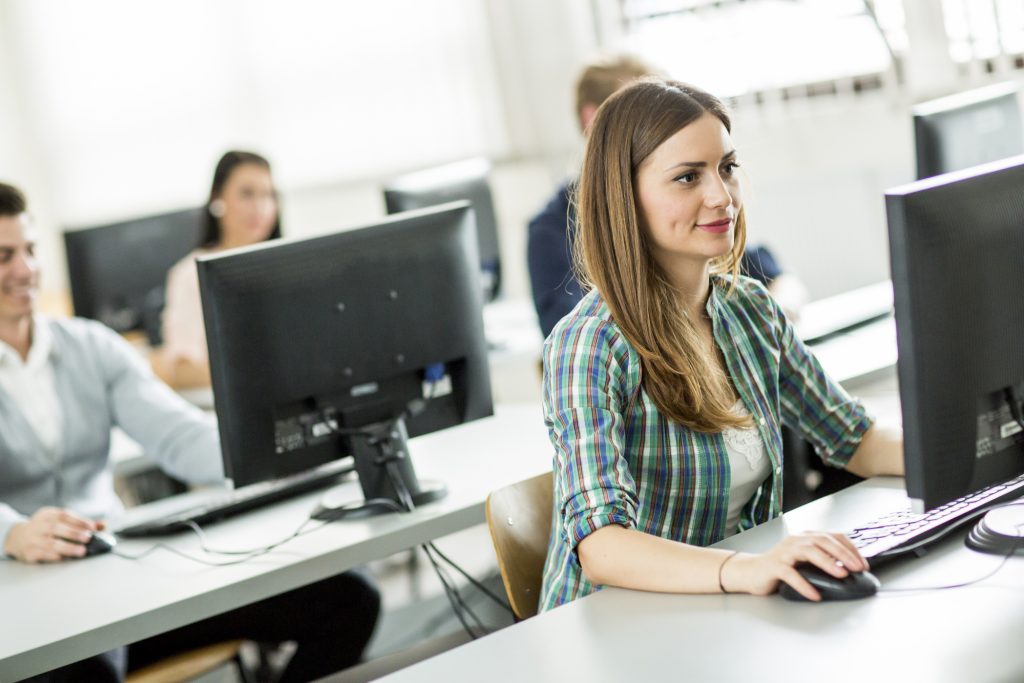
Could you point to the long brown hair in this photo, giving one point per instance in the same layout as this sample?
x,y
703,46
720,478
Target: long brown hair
x,y
211,230
679,373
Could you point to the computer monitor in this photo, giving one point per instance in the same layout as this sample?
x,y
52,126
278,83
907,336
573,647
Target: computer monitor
x,y
117,272
968,129
468,179
957,251
344,344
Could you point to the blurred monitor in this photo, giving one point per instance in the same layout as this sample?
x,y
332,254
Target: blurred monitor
x,y
468,179
957,251
117,272
968,129
361,338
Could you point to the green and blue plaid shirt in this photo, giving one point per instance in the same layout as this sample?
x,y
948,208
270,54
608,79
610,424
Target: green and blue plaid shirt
x,y
618,460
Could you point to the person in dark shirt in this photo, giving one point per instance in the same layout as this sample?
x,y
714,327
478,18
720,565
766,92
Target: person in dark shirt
x,y
550,236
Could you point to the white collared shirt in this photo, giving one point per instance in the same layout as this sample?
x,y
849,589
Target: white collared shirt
x,y
32,385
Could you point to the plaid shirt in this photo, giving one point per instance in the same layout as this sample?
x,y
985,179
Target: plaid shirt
x,y
618,460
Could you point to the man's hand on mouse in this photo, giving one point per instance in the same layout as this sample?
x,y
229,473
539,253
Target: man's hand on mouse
x,y
761,574
50,535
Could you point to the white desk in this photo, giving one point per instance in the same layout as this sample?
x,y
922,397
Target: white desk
x,y
966,634
52,615
859,355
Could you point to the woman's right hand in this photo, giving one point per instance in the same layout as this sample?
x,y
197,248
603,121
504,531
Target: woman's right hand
x,y
50,535
761,574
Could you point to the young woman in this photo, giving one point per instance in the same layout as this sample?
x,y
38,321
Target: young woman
x,y
242,210
666,387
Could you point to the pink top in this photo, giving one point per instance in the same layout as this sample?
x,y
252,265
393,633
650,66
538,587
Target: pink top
x,y
182,323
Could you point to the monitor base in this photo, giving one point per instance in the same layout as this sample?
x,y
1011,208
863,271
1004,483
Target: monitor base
x,y
338,503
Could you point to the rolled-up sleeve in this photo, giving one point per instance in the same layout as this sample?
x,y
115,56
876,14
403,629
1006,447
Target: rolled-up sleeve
x,y
584,405
816,405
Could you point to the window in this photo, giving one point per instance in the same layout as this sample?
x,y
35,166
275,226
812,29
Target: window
x,y
733,47
983,29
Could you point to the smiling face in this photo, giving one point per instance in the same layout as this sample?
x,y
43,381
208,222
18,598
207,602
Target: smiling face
x,y
689,196
19,269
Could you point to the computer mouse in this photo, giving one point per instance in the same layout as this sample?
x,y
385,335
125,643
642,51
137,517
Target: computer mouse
x,y
99,543
854,586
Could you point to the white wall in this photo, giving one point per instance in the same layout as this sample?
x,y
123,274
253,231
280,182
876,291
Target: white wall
x,y
815,175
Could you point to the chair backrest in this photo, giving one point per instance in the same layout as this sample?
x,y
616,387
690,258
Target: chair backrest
x,y
519,518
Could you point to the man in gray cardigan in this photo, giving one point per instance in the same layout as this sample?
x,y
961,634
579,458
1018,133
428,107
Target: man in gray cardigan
x,y
63,385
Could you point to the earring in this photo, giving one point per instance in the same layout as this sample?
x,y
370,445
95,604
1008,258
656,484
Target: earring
x,y
217,208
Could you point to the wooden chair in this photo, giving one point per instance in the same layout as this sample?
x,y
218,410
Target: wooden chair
x,y
519,519
191,664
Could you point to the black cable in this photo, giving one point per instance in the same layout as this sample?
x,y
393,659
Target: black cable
x,y
407,504
458,603
449,593
455,597
479,586
1015,409
962,584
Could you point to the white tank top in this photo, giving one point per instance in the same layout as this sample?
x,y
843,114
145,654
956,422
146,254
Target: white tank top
x,y
749,466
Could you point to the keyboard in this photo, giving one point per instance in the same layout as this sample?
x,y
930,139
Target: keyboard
x,y
903,531
240,500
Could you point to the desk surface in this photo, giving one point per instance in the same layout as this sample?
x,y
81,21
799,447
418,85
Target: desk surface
x,y
965,634
51,615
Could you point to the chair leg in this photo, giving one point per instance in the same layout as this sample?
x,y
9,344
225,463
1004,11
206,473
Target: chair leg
x,y
243,671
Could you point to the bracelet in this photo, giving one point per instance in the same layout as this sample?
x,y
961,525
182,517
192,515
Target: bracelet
x,y
731,555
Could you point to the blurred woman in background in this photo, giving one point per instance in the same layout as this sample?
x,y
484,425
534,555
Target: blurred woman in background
x,y
242,210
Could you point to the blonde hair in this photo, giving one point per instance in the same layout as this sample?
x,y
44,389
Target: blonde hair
x,y
602,78
680,374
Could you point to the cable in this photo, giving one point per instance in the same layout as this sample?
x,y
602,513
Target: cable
x,y
406,503
202,540
247,554
962,584
458,603
479,586
1015,409
449,593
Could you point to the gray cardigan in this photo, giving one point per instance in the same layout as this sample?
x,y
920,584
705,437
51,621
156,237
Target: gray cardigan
x,y
101,383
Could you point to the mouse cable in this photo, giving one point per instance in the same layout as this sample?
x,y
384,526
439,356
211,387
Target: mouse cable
x,y
963,584
246,554
301,531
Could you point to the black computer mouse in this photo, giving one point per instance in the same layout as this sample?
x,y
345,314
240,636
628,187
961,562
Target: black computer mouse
x,y
854,586
99,543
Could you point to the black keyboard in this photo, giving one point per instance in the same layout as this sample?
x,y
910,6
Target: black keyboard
x,y
903,531
239,500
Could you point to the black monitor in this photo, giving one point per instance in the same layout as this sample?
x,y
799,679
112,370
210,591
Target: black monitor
x,y
468,179
957,251
117,272
344,344
967,129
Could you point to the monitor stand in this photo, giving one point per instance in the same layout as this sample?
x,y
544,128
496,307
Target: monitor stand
x,y
1000,531
386,474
